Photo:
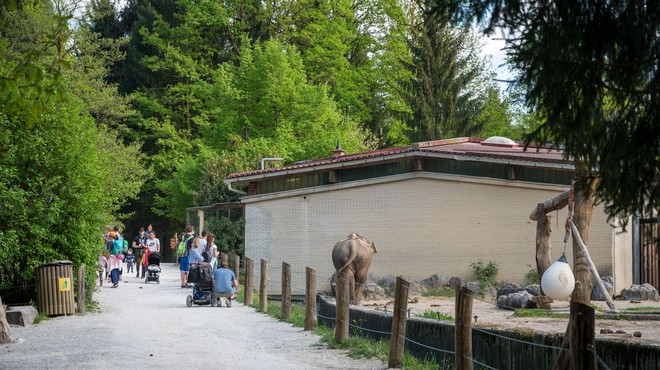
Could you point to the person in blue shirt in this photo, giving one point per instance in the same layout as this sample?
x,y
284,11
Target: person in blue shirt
x,y
225,283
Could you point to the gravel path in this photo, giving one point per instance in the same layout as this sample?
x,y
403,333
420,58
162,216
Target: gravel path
x,y
145,326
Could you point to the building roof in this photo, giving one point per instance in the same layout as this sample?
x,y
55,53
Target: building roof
x,y
494,148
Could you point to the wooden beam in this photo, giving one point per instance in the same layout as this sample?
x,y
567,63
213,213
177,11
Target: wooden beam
x,y
556,203
397,340
463,329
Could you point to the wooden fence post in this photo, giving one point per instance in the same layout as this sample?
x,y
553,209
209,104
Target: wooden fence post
x,y
398,337
310,299
342,308
263,287
249,281
237,265
81,290
286,291
463,329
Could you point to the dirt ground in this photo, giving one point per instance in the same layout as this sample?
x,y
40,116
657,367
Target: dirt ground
x,y
490,316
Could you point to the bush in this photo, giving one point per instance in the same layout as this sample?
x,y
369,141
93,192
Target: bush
x,y
485,272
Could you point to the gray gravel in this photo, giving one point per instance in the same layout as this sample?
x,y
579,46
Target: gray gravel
x,y
145,326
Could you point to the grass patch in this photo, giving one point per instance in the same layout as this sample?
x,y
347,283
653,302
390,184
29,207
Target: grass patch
x,y
430,314
434,292
357,346
647,308
40,317
92,306
540,313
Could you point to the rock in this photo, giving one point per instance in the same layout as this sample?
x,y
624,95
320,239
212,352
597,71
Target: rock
x,y
474,286
509,285
374,292
540,301
455,282
531,289
435,282
597,295
515,300
414,287
644,292
637,334
21,315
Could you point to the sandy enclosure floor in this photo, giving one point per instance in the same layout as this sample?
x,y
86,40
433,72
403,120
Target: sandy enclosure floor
x,y
490,316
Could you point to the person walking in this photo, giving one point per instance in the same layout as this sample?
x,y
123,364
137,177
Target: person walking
x,y
139,244
184,266
212,252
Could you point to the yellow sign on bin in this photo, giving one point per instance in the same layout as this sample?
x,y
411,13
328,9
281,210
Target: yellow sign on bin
x,y
64,284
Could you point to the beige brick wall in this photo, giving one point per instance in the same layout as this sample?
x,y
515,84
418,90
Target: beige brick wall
x,y
422,224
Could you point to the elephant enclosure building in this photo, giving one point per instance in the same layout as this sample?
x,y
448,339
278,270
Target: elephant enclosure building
x,y
431,208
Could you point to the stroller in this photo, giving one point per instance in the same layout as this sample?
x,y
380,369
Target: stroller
x,y
202,278
153,268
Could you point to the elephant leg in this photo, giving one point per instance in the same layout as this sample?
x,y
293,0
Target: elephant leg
x,y
359,286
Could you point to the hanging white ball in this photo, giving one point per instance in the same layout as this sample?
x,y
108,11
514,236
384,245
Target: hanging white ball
x,y
558,280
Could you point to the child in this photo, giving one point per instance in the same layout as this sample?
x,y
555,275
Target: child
x,y
101,267
130,257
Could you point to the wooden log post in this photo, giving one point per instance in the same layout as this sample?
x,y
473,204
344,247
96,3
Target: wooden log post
x,y
342,308
249,282
543,247
286,291
398,337
263,287
554,204
310,299
81,290
200,216
5,329
463,329
583,210
237,265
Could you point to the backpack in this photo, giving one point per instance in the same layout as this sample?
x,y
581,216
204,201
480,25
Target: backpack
x,y
117,245
124,248
181,250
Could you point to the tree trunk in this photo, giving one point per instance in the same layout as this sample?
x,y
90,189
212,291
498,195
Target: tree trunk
x,y
582,212
5,333
543,247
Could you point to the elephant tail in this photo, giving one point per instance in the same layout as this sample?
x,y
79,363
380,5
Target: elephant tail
x,y
351,257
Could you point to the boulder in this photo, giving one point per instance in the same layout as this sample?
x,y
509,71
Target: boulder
x,y
531,289
474,286
508,284
435,282
21,315
597,295
374,292
644,292
515,300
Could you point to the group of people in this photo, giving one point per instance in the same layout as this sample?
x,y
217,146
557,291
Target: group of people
x,y
202,249
117,251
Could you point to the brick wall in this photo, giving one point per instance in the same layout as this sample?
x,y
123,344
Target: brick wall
x,y
422,224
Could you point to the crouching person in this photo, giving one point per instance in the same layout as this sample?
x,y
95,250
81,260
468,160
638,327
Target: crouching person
x,y
225,284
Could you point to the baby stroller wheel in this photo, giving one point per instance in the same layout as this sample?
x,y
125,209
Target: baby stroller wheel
x,y
214,302
189,301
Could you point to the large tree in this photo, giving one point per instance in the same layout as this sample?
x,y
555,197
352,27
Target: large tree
x,y
592,68
64,170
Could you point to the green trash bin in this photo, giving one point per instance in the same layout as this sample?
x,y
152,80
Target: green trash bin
x,y
55,288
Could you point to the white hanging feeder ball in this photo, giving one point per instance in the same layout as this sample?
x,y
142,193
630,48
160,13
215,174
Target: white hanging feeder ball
x,y
558,280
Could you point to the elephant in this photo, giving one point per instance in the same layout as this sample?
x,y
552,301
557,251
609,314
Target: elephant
x,y
354,255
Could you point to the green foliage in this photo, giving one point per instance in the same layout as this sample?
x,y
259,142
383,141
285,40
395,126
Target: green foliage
x,y
532,276
598,97
430,314
65,177
540,313
442,292
485,272
228,234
